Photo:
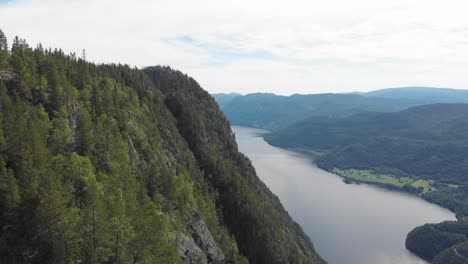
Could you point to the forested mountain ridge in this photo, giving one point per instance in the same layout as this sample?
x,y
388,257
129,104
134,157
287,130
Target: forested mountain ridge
x,y
242,195
434,122
112,164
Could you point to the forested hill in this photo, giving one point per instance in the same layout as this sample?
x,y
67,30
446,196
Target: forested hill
x,y
436,122
112,164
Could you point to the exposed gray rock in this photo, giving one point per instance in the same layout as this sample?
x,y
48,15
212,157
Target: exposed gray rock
x,y
6,76
205,240
199,247
189,251
135,156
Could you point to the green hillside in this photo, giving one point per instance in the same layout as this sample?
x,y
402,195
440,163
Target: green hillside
x,y
440,243
436,123
113,164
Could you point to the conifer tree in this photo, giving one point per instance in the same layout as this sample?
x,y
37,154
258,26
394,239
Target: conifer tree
x,y
3,51
84,142
3,41
61,138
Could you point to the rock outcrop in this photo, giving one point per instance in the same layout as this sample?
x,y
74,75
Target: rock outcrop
x,y
189,251
199,247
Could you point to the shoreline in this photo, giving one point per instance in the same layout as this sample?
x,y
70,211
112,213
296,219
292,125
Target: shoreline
x,y
378,184
391,187
313,155
313,158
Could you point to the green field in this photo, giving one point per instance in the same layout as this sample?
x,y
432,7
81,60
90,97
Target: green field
x,y
424,184
453,185
368,176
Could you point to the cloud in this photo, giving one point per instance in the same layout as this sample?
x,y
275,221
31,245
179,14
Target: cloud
x,y
288,47
223,53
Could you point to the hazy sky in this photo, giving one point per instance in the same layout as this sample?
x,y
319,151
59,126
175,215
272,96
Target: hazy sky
x,y
247,46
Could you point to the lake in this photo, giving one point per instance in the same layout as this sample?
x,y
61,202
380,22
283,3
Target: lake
x,y
348,223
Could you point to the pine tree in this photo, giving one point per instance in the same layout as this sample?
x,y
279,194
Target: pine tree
x,y
3,41
96,234
3,51
55,86
51,212
19,60
84,142
61,138
9,191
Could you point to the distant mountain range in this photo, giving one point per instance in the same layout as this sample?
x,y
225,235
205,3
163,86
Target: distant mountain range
x,y
270,111
422,94
225,98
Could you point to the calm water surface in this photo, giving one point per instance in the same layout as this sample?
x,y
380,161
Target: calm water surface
x,y
348,223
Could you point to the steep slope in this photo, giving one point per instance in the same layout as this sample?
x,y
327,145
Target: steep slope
x,y
273,112
93,169
255,216
99,164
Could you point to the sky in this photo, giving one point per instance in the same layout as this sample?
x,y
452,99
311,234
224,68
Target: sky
x,y
245,46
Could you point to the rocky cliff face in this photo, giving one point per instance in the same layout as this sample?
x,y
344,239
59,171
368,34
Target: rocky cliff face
x,y
199,247
189,251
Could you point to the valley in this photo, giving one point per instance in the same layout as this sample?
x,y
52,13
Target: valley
x,y
421,150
